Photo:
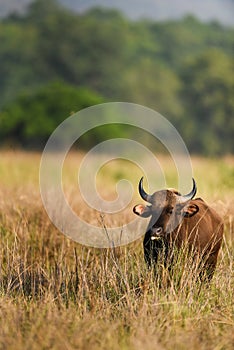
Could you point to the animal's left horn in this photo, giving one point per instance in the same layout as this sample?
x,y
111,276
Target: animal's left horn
x,y
191,194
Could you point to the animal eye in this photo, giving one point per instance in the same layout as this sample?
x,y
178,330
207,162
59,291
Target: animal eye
x,y
169,210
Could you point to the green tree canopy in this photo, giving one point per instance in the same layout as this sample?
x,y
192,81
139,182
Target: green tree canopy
x,y
183,69
33,117
208,95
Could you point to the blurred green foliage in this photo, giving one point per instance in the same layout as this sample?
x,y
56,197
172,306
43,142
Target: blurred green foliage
x,y
30,120
54,62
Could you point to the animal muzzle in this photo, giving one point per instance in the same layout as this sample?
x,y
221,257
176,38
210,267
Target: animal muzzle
x,y
156,233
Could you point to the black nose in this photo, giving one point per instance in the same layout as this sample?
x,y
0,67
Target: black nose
x,y
156,233
158,230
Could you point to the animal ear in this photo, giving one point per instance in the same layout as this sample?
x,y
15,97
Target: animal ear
x,y
142,210
190,210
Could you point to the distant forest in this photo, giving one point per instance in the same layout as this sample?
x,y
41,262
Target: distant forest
x,y
54,62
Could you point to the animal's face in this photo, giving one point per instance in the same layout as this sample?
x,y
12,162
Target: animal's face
x,y
167,209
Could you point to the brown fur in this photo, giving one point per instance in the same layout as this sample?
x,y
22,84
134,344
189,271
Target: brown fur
x,y
193,223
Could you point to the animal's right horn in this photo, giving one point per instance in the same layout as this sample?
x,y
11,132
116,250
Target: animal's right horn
x,y
190,195
144,195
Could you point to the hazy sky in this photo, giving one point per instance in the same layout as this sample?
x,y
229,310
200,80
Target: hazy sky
x,y
205,10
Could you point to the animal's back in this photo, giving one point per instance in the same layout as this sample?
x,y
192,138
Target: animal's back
x,y
203,232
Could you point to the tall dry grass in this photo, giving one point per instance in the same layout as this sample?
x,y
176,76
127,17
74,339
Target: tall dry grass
x,y
56,294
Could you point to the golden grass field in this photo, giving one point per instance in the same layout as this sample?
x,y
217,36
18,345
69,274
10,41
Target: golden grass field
x,y
57,294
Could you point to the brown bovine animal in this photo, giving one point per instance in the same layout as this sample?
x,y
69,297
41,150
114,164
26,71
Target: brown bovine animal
x,y
178,221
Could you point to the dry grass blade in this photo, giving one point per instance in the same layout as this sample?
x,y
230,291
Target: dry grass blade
x,y
56,294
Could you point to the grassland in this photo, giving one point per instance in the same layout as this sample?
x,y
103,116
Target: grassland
x,y
57,294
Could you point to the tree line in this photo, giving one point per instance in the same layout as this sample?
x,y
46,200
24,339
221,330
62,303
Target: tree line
x,y
54,62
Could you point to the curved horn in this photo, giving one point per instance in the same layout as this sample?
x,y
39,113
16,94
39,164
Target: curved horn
x,y
191,194
142,192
